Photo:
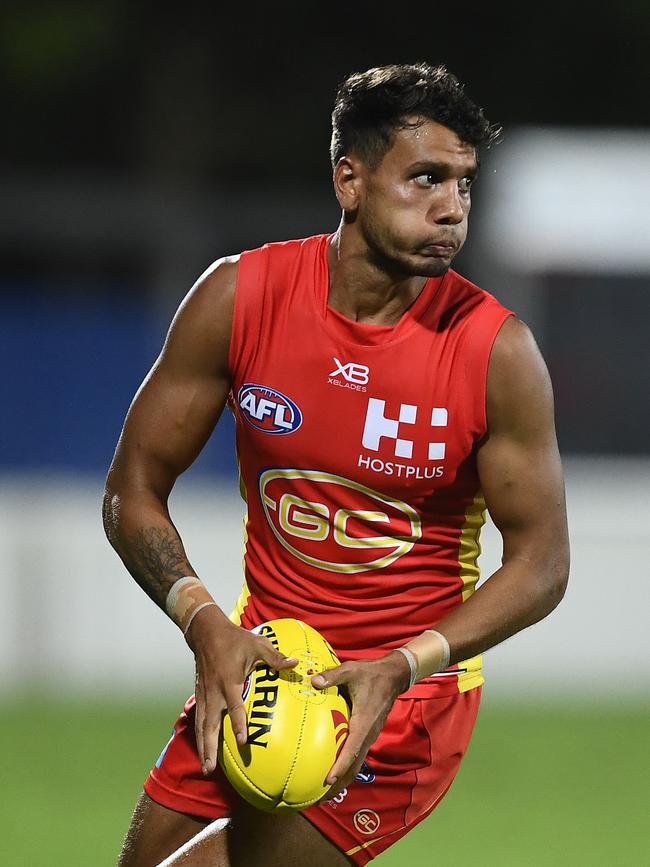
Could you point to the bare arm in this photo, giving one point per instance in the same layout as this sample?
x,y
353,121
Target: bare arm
x,y
169,421
521,476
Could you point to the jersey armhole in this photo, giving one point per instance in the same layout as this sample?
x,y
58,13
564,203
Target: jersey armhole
x,y
499,317
480,341
245,332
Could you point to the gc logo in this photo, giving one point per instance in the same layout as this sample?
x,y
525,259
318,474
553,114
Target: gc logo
x,y
335,523
366,821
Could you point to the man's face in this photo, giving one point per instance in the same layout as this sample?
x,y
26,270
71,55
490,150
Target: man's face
x,y
413,207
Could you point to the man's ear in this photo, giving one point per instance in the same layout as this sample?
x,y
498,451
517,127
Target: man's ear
x,y
347,183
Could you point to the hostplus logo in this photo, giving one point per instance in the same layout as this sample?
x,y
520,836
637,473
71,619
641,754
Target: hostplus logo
x,y
349,375
381,430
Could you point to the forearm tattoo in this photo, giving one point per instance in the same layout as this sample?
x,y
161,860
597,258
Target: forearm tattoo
x,y
158,555
154,556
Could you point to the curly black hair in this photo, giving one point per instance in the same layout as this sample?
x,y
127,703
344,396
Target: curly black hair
x,y
372,106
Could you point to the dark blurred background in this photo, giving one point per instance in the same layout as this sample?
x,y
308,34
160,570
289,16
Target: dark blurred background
x,y
141,143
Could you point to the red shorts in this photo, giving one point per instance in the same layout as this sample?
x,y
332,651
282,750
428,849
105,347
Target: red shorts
x,y
406,773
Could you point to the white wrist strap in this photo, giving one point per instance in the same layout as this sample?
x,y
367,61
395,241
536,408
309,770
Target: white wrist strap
x,y
194,613
413,664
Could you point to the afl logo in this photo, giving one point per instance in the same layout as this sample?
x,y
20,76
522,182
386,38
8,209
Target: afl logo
x,y
334,523
268,410
366,774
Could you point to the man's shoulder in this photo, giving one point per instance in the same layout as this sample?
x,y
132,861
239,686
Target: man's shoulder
x,y
463,305
518,379
218,281
463,286
275,266
514,345
290,248
221,275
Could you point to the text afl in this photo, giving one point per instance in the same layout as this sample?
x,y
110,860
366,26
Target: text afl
x,y
268,410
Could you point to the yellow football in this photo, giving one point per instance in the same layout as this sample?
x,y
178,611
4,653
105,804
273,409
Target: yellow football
x,y
295,732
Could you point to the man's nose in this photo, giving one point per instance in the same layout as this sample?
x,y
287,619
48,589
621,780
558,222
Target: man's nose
x,y
447,208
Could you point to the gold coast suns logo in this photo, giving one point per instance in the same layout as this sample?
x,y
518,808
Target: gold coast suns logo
x,y
336,524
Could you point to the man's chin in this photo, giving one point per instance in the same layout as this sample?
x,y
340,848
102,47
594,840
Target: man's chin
x,y
426,266
416,265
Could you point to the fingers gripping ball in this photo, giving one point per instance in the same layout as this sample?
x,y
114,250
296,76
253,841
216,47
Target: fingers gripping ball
x,y
295,732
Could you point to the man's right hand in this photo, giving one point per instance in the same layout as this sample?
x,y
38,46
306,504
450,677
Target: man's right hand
x,y
225,654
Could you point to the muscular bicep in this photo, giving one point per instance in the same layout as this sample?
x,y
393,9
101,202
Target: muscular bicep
x,y
181,399
519,463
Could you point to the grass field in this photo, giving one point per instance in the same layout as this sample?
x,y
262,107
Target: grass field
x,y
552,784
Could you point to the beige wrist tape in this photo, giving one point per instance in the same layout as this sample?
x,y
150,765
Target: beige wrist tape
x,y
426,654
185,599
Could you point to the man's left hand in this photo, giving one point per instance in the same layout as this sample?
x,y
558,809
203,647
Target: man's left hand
x,y
373,686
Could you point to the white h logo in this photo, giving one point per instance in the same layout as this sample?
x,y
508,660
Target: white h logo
x,y
378,426
438,419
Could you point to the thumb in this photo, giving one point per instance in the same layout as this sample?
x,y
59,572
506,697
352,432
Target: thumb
x,y
330,677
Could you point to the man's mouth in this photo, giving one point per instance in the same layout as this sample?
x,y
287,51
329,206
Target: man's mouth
x,y
438,248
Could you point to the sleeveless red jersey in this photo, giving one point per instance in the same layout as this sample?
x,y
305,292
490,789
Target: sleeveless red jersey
x,y
357,453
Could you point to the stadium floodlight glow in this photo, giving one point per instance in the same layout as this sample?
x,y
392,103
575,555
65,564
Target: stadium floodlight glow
x,y
569,200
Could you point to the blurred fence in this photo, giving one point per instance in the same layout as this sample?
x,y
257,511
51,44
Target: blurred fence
x,y
72,618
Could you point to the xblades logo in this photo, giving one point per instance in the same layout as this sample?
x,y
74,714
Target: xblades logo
x,y
357,373
355,376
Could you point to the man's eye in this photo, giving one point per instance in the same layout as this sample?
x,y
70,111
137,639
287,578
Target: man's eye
x,y
427,179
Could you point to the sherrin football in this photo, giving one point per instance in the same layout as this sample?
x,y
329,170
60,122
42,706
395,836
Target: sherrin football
x,y
295,732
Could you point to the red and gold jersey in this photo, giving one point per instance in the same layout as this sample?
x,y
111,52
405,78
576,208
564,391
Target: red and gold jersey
x,y
357,452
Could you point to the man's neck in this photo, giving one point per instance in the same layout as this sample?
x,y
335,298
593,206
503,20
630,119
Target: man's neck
x,y
363,291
